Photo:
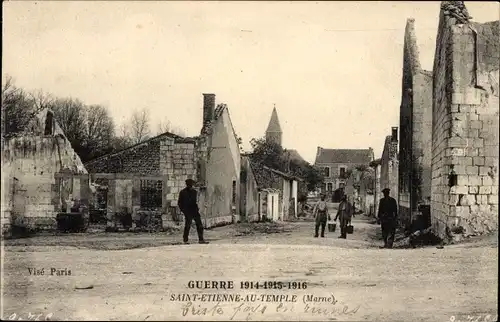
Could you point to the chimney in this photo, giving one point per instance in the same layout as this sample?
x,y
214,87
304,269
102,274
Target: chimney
x,y
208,107
394,136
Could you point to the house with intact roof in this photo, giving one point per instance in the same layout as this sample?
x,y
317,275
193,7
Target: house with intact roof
x,y
336,165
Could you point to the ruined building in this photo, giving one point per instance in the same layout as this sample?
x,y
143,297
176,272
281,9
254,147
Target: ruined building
x,y
389,164
31,194
147,177
274,132
415,138
465,124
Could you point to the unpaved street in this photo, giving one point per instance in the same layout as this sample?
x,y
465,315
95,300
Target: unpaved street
x,y
367,283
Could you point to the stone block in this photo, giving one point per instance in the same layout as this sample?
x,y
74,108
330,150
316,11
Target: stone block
x,y
493,200
482,199
457,142
470,169
487,181
478,142
474,209
485,190
467,200
490,151
484,170
478,160
462,161
455,152
460,169
462,180
476,125
461,211
474,189
494,189
459,190
474,180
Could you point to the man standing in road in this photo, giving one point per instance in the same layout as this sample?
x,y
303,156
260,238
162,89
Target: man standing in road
x,y
321,215
189,206
387,215
344,214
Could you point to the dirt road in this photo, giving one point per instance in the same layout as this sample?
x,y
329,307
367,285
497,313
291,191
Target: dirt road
x,y
345,280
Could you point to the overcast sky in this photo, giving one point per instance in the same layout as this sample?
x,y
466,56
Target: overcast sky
x,y
333,69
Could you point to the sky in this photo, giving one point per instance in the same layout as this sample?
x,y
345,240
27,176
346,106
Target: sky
x,y
333,69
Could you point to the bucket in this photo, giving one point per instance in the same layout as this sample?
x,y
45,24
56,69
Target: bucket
x,y
332,227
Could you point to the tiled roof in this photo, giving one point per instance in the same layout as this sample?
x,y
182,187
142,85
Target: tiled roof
x,y
177,138
294,155
357,156
266,177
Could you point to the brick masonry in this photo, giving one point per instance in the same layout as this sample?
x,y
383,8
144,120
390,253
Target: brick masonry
x,y
415,130
465,128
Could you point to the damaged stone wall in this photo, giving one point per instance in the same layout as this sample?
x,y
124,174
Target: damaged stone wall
x,y
415,130
30,190
465,126
389,166
249,192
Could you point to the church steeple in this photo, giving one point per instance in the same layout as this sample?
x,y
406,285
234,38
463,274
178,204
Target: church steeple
x,y
273,132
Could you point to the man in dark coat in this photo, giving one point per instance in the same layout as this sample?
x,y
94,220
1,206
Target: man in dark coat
x,y
344,214
388,215
188,204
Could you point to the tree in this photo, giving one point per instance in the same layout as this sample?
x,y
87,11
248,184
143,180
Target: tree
x,y
272,155
99,131
19,107
269,154
89,129
166,126
140,126
70,114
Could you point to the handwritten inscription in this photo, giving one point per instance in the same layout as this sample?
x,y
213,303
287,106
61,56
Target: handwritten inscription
x,y
255,310
29,317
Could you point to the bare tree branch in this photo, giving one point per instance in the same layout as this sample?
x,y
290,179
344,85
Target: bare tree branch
x,y
140,126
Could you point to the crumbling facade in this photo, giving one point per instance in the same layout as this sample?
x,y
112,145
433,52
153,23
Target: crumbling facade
x,y
465,124
415,138
211,159
389,164
31,195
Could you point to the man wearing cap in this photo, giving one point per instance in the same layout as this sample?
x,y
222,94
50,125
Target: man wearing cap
x,y
344,214
387,215
189,206
320,212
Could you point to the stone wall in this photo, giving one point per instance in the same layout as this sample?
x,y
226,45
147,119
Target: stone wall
x,y
415,130
465,128
377,194
222,173
389,167
30,192
249,192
